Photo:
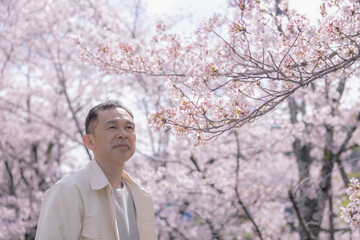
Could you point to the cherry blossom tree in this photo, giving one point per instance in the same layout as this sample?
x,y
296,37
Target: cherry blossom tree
x,y
287,169
325,144
279,177
222,190
239,68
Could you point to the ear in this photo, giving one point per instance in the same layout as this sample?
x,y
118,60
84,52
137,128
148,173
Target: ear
x,y
88,141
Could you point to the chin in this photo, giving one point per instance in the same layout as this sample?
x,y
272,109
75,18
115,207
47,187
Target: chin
x,y
122,158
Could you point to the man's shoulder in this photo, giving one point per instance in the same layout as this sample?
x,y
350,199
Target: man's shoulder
x,y
75,178
68,188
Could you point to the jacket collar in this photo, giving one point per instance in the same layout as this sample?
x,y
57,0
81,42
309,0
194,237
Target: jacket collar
x,y
98,179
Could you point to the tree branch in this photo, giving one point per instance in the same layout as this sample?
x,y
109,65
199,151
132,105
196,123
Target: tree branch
x,y
300,218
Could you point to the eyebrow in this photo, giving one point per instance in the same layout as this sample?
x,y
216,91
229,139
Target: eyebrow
x,y
116,121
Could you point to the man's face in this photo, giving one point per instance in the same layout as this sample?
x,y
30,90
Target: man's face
x,y
114,138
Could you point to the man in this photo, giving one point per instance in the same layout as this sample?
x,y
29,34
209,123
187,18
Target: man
x,y
101,201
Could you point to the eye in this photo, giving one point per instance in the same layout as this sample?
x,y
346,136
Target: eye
x,y
112,127
130,127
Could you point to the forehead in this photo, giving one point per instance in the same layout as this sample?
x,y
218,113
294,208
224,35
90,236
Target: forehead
x,y
114,114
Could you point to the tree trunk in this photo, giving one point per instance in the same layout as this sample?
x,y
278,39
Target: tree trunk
x,y
311,206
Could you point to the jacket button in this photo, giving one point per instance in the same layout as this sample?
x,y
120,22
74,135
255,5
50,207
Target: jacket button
x,y
100,236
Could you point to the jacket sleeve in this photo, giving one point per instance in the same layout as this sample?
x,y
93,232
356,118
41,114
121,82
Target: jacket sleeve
x,y
61,214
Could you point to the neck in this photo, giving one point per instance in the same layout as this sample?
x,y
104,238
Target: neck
x,y
113,173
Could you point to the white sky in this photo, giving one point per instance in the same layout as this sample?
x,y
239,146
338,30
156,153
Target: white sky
x,y
204,9
309,7
207,7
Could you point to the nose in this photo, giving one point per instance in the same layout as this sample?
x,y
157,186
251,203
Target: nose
x,y
122,133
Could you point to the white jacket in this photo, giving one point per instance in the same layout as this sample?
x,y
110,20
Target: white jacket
x,y
82,206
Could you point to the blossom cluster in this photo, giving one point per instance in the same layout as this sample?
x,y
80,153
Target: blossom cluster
x,y
351,213
234,72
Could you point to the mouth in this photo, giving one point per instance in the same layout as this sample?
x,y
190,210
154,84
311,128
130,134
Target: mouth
x,y
121,146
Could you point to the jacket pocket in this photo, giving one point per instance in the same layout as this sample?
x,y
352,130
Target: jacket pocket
x,y
96,231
